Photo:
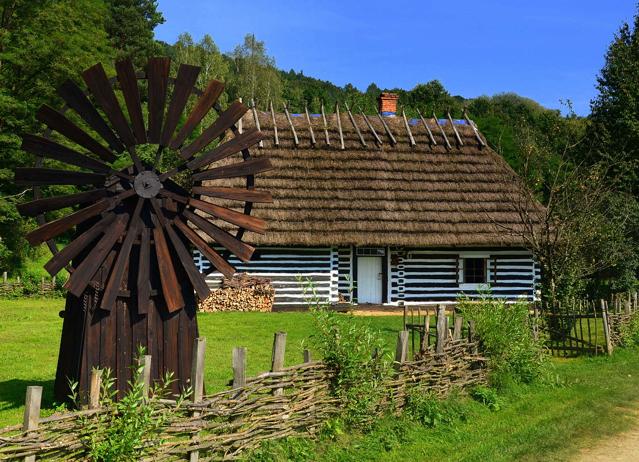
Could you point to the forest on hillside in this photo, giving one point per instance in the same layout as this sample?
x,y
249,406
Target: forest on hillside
x,y
584,169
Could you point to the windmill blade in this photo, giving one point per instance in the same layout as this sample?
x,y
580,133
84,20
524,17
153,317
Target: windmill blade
x,y
158,76
202,107
238,194
129,86
57,227
237,144
257,225
234,112
96,79
186,259
69,252
144,272
170,287
211,255
249,167
229,242
46,148
57,121
83,274
184,83
77,100
37,176
115,279
38,206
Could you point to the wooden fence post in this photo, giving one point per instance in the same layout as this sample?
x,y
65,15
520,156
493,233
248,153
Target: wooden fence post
x,y
4,277
606,327
425,339
197,382
401,350
239,367
145,376
32,413
277,358
458,327
442,329
95,385
307,356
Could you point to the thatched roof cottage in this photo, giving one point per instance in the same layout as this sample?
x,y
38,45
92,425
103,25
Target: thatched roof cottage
x,y
383,209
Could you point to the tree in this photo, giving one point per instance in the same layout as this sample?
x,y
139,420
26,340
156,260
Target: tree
x,y
614,135
255,76
42,44
130,26
204,54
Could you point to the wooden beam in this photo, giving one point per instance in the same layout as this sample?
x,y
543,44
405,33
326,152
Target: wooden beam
x,y
371,128
310,126
430,133
256,119
277,140
328,141
290,122
452,125
388,132
352,119
339,126
474,127
442,132
410,134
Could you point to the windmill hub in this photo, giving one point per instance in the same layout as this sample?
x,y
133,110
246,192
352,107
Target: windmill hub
x,y
147,184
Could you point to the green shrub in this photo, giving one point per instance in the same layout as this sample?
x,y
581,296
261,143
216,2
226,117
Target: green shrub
x,y
118,435
425,407
356,352
629,332
507,340
487,396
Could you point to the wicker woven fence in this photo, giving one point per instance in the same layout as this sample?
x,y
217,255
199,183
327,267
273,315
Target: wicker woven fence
x,y
283,402
14,287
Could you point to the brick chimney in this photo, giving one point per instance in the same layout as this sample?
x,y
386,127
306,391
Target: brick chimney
x,y
388,103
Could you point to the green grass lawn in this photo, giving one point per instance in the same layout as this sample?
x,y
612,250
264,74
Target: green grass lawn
x,y
30,334
594,396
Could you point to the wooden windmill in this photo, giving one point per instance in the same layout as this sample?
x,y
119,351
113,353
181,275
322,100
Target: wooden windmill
x,y
132,277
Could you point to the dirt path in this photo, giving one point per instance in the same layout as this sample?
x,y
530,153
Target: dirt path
x,y
623,447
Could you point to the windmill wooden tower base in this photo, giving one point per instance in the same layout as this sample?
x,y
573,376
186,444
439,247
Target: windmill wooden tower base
x,y
92,337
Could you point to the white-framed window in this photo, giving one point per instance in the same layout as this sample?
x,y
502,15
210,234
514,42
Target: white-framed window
x,y
473,271
370,251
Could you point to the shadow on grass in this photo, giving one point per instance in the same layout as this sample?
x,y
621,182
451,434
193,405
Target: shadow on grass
x,y
13,392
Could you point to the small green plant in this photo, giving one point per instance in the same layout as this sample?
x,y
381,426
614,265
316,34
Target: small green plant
x,y
629,331
130,424
487,396
426,408
288,449
356,352
507,339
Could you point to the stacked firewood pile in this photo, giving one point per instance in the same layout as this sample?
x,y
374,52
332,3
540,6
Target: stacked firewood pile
x,y
240,293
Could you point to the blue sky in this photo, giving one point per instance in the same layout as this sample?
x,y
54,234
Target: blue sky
x,y
547,50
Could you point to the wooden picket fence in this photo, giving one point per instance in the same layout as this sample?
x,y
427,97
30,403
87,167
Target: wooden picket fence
x,y
585,327
285,401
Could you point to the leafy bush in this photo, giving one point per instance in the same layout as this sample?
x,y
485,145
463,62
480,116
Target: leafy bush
x,y
356,352
118,435
288,449
487,396
426,408
629,332
507,339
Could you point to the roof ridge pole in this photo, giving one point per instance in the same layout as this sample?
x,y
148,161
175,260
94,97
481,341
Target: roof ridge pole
x,y
452,124
239,122
310,126
257,121
370,126
441,130
290,122
328,141
474,127
430,134
388,132
339,126
277,140
350,116
410,134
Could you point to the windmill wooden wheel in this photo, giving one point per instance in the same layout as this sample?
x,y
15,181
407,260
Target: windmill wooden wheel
x,y
132,277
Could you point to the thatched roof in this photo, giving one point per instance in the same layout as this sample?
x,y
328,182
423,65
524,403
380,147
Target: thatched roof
x,y
393,193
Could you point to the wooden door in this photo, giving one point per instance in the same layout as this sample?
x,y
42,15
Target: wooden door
x,y
369,280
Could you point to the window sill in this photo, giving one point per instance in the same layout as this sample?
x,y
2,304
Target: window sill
x,y
484,286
